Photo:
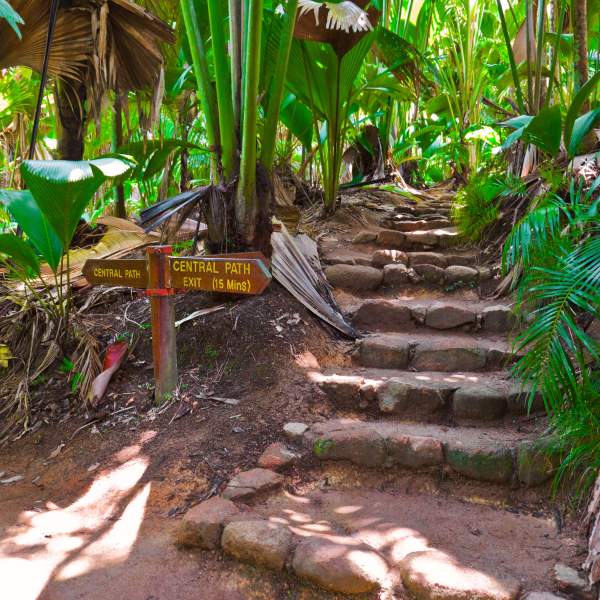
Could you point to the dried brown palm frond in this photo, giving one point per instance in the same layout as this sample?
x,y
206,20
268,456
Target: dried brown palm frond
x,y
71,48
109,44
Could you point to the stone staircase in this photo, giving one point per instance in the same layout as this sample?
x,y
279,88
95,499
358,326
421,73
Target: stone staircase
x,y
427,392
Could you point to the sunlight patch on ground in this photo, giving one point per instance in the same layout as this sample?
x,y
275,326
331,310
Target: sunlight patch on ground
x,y
99,528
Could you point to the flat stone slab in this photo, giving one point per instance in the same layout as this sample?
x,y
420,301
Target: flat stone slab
x,y
498,318
384,351
412,399
447,316
458,273
203,524
427,258
249,483
259,543
391,239
364,237
346,566
354,277
479,403
385,315
435,575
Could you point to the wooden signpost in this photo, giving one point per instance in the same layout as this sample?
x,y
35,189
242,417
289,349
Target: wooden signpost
x,y
163,276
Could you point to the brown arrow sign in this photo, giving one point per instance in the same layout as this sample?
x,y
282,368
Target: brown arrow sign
x,y
130,273
229,275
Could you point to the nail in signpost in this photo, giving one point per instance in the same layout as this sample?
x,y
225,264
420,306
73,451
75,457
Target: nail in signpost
x,y
162,276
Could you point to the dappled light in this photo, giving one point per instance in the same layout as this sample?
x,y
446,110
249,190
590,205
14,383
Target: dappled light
x,y
97,530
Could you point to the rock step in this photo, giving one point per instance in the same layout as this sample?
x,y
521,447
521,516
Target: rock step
x,y
424,351
359,540
493,455
444,237
402,315
467,397
407,225
359,277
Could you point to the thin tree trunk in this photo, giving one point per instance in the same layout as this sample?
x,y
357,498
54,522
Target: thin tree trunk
x,y
581,46
71,110
120,208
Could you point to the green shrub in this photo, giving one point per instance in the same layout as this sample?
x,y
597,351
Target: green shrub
x,y
476,206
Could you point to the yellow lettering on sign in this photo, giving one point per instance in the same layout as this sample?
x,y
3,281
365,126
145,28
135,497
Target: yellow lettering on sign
x,y
238,286
191,282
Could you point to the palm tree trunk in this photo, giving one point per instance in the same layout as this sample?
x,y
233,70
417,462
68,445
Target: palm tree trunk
x,y
71,110
579,17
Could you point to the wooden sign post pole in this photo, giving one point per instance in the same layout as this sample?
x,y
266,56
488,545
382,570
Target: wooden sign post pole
x,y
162,276
162,308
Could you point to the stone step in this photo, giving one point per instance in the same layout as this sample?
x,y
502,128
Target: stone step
x,y
382,315
493,455
428,396
357,541
412,225
425,351
388,268
444,237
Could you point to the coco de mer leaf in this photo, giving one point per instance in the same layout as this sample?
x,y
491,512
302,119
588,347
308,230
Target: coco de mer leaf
x,y
24,210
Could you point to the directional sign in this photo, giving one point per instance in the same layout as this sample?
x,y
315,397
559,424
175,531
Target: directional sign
x,y
219,274
130,273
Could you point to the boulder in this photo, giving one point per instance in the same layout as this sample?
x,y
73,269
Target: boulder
x,y
396,274
479,403
354,277
456,273
498,318
359,445
447,316
537,460
277,456
203,524
431,273
347,567
413,451
249,483
408,399
391,238
517,401
384,315
258,542
364,237
434,575
424,238
384,352
483,462
427,258
571,583
388,257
